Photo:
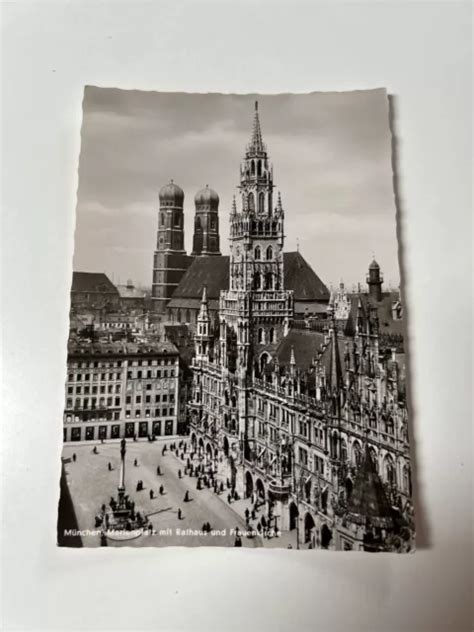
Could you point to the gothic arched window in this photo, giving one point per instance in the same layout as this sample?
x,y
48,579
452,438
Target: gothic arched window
x,y
269,253
188,316
356,452
261,336
271,335
251,202
261,202
252,168
162,219
390,474
259,168
258,253
257,281
268,281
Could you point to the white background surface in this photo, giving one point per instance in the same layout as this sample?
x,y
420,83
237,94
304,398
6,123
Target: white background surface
x,y
422,53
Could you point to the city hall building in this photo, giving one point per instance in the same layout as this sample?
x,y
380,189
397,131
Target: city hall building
x,y
309,415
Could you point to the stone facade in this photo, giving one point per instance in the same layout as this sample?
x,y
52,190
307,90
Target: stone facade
x,y
317,433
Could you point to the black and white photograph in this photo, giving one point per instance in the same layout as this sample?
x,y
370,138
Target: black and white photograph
x,y
236,362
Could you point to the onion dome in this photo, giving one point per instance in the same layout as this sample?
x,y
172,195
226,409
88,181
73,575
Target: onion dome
x,y
206,199
171,195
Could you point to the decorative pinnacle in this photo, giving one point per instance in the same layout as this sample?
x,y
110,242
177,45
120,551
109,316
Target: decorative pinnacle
x,y
234,204
292,356
279,204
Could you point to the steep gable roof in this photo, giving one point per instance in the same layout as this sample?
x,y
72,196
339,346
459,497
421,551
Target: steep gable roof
x,y
92,282
213,272
305,344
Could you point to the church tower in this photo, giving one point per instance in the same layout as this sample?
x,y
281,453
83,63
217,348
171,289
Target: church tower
x,y
169,262
375,281
206,223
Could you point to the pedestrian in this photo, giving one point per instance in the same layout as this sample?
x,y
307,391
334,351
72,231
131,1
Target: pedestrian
x,y
102,440
152,495
198,483
94,450
186,496
135,463
158,471
222,487
180,474
110,466
103,539
162,490
247,513
227,483
179,513
238,541
253,514
264,522
74,457
229,498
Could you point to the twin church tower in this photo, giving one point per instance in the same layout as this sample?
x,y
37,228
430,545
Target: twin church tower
x,y
170,259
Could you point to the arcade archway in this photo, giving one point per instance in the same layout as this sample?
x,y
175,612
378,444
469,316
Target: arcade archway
x,y
326,536
248,485
260,489
294,513
308,527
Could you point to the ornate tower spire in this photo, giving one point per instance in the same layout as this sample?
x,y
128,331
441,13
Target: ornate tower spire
x,y
256,145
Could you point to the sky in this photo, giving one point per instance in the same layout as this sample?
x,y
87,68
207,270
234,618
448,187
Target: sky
x,y
331,154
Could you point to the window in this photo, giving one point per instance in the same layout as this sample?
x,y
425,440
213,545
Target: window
x,y
70,377
138,399
70,390
79,377
128,399
148,387
157,398
78,389
148,374
258,253
139,374
137,413
165,397
117,401
102,389
87,377
303,456
69,403
271,335
269,253
147,399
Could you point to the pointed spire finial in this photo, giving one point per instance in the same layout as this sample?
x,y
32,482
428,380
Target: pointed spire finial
x,y
234,204
256,143
279,204
292,356
204,294
297,244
